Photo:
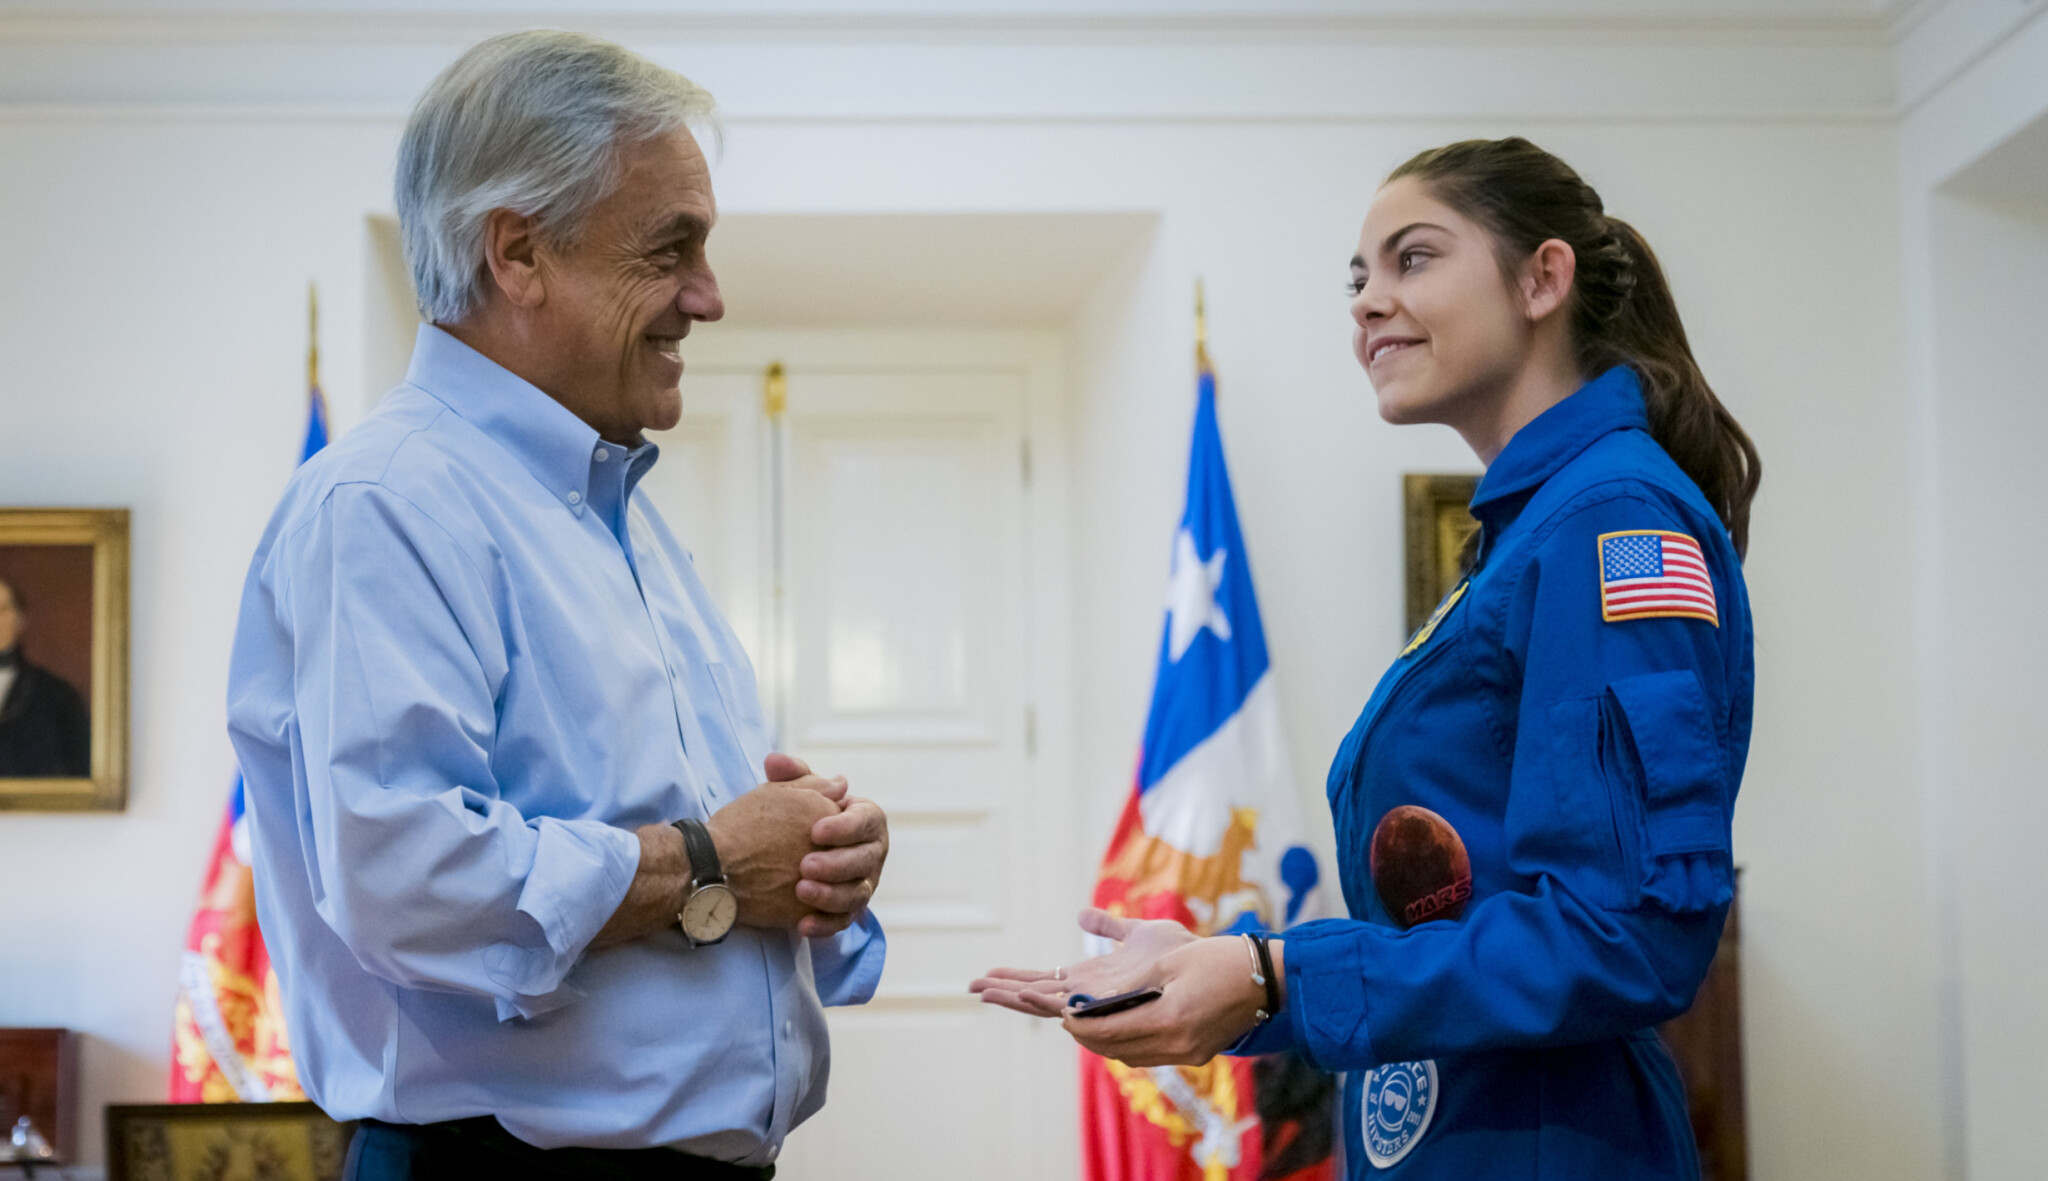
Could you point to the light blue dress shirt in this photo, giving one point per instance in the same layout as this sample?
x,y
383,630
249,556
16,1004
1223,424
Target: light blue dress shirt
x,y
471,660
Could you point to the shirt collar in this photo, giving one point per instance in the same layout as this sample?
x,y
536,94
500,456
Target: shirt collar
x,y
1610,402
550,441
614,472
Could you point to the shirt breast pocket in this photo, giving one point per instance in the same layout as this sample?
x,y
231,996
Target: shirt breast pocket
x,y
742,720
1662,758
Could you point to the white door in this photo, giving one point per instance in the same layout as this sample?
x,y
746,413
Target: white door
x,y
891,550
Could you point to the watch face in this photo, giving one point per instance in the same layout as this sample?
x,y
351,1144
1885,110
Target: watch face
x,y
709,913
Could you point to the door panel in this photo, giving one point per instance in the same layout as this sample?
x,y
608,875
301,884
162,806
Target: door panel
x,y
893,557
897,653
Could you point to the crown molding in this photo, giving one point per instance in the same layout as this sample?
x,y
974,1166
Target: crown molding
x,y
996,68
393,116
1949,38
1901,17
443,26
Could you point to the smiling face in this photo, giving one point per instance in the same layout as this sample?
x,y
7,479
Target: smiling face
x,y
621,297
1440,331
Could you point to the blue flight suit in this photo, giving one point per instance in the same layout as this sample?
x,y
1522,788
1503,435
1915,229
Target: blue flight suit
x,y
1589,760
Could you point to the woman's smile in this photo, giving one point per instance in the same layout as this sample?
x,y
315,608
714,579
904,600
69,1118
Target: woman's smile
x,y
1384,346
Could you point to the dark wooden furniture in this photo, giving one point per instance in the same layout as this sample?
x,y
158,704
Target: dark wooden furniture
x,y
1707,1041
39,1079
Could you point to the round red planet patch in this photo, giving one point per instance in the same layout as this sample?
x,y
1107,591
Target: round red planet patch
x,y
1419,866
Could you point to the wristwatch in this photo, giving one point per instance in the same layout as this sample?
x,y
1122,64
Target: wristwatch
x,y
709,909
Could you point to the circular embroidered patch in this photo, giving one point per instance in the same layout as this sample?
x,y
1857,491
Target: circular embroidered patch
x,y
1419,866
1394,1109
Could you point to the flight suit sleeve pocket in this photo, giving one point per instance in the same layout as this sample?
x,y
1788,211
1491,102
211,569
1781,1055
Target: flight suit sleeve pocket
x,y
1561,821
1670,758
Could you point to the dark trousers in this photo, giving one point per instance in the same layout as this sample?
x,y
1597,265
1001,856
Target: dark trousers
x,y
482,1148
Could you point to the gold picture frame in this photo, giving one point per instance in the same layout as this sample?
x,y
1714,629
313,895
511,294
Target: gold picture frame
x,y
170,1141
1436,521
70,569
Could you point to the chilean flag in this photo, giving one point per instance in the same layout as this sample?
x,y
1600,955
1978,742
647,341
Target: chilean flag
x,y
1210,837
228,1041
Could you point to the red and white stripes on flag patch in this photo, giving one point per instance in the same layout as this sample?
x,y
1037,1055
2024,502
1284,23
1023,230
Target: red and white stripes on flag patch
x,y
1653,573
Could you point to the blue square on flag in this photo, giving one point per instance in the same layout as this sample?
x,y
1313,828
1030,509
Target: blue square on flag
x,y
1652,574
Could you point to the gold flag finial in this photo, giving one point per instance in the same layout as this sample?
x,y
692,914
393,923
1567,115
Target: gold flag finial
x,y
312,335
1201,332
775,392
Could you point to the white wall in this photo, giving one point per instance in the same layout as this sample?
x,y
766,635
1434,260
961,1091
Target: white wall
x,y
152,321
1974,219
1993,301
151,317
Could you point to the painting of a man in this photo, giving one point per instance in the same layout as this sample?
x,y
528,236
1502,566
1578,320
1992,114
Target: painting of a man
x,y
45,729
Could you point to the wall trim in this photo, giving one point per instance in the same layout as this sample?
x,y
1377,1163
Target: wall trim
x,y
1233,28
19,114
1950,38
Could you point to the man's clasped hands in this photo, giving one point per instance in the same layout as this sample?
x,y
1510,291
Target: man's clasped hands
x,y
799,852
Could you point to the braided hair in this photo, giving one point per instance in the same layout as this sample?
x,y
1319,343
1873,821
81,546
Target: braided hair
x,y
1622,312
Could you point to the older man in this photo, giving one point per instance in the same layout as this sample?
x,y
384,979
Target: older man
x,y
501,747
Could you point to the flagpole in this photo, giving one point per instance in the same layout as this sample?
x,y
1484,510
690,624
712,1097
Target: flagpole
x,y
774,401
312,335
1202,366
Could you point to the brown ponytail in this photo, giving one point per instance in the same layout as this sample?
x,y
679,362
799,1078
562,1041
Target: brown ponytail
x,y
1622,311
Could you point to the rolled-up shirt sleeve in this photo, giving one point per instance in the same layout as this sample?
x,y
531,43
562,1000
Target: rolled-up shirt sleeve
x,y
848,966
428,876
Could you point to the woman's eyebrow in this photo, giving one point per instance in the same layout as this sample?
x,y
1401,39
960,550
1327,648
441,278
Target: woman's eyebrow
x,y
1394,239
1358,262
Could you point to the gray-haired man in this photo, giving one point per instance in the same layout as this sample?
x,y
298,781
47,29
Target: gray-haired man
x,y
501,748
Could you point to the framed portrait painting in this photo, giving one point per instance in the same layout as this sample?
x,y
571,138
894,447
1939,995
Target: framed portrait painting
x,y
63,659
1436,524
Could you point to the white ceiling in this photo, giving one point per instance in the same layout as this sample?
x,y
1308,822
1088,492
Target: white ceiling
x,y
2015,170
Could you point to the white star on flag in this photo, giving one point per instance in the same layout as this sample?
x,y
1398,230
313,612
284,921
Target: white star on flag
x,y
1191,597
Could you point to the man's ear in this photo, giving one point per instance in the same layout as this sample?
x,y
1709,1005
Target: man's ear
x,y
512,252
1546,279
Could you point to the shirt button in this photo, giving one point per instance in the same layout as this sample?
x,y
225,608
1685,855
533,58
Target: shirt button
x,y
600,455
788,1028
575,498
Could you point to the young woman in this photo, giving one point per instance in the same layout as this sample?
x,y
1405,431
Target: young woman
x,y
1532,812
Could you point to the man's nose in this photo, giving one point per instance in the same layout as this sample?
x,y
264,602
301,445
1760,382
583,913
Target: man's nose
x,y
701,299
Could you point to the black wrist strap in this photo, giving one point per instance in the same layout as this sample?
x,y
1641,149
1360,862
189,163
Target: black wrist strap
x,y
1266,970
704,866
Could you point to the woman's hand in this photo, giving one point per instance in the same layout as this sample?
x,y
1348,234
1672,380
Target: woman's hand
x,y
1134,964
1210,1000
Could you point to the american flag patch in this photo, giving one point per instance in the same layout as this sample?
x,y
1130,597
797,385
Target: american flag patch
x,y
1648,573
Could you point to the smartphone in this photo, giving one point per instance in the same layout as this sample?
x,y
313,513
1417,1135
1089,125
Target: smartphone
x,y
1092,1006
